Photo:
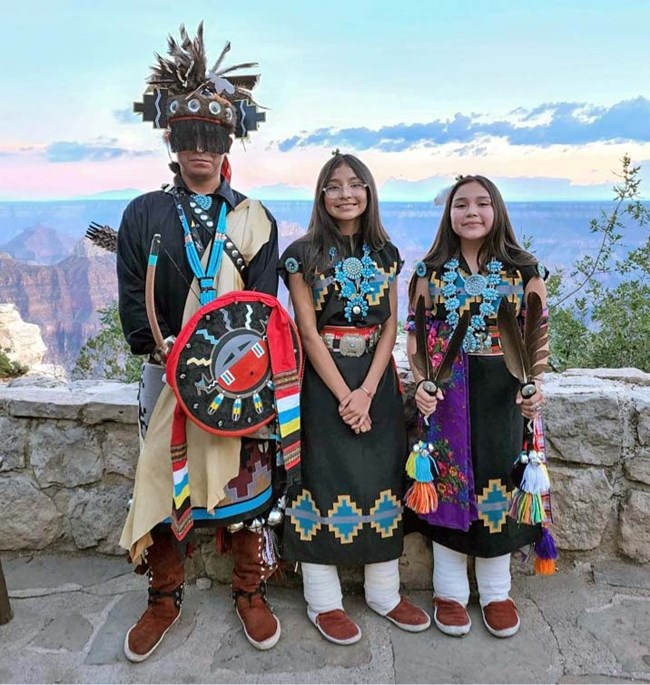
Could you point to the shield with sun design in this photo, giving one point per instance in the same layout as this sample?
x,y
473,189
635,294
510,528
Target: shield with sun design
x,y
220,367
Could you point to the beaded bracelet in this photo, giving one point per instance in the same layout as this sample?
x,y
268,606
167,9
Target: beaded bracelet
x,y
370,394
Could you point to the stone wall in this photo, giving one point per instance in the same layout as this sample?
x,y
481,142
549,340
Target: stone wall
x,y
68,455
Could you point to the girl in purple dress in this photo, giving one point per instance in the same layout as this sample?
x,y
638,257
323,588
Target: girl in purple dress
x,y
476,425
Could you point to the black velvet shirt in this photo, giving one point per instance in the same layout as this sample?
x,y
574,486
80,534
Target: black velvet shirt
x,y
155,212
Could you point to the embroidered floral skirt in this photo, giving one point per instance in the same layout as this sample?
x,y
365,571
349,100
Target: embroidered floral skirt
x,y
497,429
348,508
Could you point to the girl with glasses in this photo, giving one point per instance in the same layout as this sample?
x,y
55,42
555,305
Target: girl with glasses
x,y
342,278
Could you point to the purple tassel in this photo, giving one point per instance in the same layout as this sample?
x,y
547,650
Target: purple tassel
x,y
545,548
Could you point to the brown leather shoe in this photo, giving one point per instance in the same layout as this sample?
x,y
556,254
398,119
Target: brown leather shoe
x,y
164,565
409,617
501,618
451,617
163,611
261,626
337,627
249,574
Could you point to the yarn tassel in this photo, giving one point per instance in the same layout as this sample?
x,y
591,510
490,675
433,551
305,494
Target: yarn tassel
x,y
529,473
535,479
422,497
530,477
546,554
526,508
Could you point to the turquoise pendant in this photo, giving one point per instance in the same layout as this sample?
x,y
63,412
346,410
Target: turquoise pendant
x,y
203,201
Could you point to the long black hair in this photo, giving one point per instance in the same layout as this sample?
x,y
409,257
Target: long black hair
x,y
323,232
500,243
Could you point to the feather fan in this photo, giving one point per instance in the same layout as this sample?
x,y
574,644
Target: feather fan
x,y
443,373
512,344
102,236
535,335
421,358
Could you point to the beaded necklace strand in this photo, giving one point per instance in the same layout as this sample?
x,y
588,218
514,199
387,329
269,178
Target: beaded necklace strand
x,y
475,285
205,277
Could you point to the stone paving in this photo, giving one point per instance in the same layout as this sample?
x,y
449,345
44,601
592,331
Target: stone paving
x,y
587,624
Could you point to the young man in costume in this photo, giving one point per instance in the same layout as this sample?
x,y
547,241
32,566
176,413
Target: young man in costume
x,y
213,240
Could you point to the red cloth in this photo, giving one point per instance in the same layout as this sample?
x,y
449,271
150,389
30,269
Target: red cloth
x,y
226,169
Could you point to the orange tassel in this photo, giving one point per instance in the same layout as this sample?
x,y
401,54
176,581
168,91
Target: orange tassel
x,y
544,567
422,498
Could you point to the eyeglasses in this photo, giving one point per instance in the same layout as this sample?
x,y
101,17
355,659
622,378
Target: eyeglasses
x,y
333,192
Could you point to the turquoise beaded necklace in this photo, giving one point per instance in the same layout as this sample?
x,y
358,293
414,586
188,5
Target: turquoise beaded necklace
x,y
475,285
354,277
205,277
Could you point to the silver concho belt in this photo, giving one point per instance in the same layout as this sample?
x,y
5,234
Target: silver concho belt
x,y
351,344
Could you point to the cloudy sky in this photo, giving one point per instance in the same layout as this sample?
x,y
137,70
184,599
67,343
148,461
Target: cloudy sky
x,y
544,97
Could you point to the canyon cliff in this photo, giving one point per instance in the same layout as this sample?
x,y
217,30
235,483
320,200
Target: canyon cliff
x,y
63,299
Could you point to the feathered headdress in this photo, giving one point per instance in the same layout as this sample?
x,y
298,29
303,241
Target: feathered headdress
x,y
202,107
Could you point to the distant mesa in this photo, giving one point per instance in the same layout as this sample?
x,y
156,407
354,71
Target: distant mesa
x,y
39,244
120,194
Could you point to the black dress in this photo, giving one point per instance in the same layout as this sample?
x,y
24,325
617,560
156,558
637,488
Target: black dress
x,y
348,508
484,391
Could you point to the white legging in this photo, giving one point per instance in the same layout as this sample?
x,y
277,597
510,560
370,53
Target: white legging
x,y
450,576
322,587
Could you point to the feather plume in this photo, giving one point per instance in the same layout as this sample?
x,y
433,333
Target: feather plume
x,y
103,236
443,372
243,65
245,83
512,344
535,335
224,52
185,69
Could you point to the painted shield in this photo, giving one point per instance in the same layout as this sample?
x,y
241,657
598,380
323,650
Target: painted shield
x,y
220,367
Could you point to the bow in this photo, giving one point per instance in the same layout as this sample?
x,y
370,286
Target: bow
x,y
163,345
